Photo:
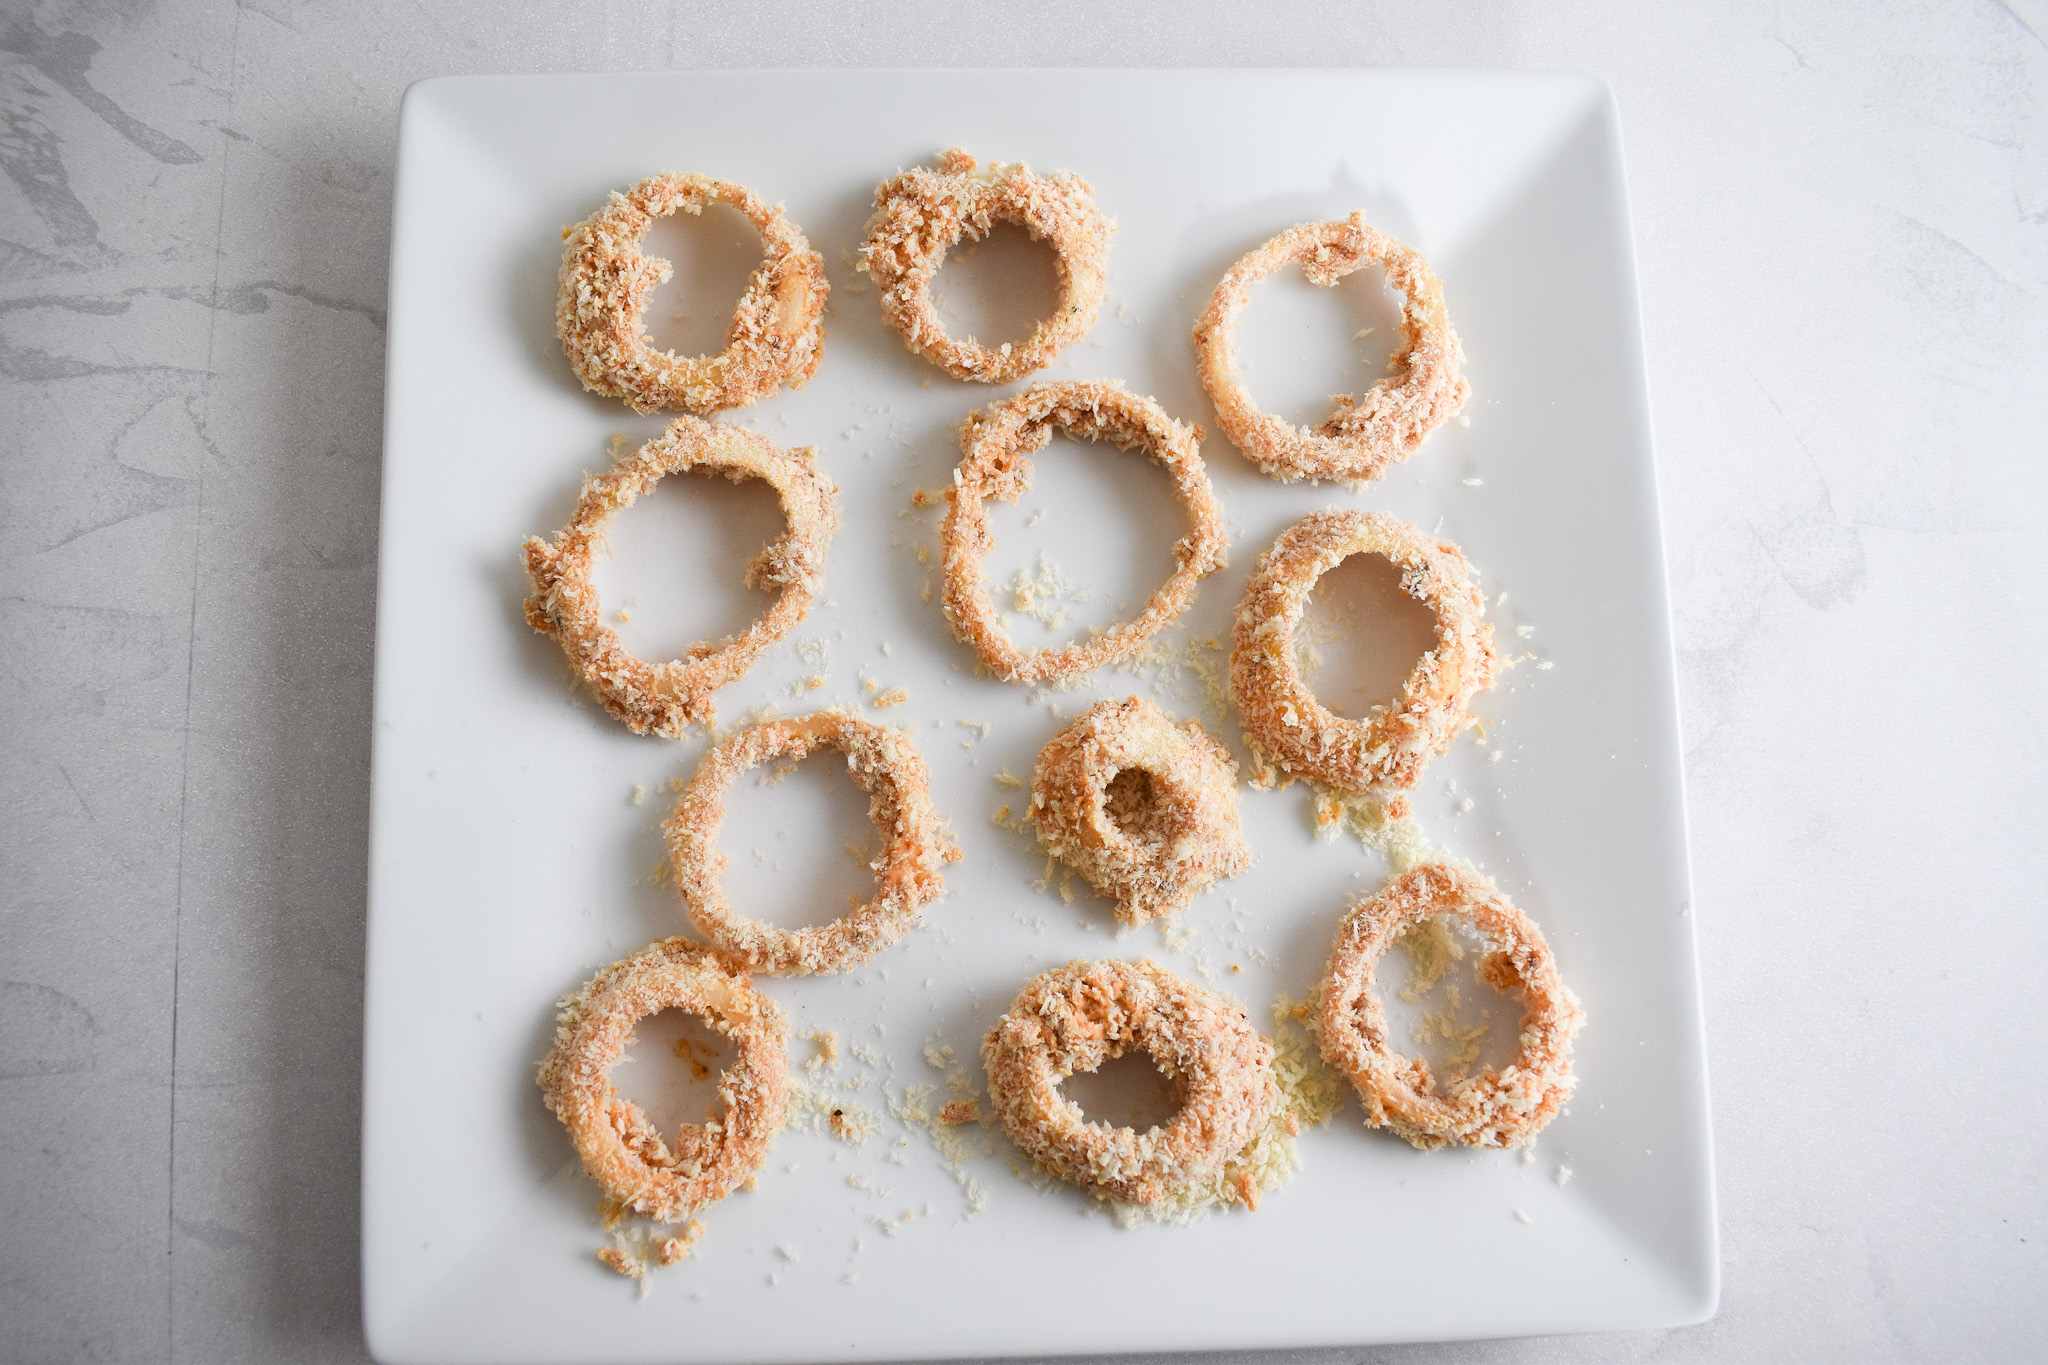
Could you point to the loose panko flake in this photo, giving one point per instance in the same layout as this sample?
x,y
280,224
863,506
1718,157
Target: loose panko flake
x,y
619,1148
1503,1108
883,763
1291,733
1145,810
776,333
1359,441
1078,1017
996,444
667,697
921,214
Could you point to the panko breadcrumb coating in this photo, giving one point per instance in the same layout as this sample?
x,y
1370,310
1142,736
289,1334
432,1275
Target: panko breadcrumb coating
x,y
996,445
667,697
1076,1018
921,214
1290,733
776,333
619,1147
1144,810
1493,1109
1358,442
883,763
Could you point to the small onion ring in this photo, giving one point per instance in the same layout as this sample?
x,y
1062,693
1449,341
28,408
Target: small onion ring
x,y
1196,838
1290,733
666,698
619,1147
1360,440
776,335
883,763
1493,1109
1077,1017
997,443
919,216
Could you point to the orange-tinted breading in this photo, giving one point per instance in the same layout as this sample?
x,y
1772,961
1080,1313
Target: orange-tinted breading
x,y
1290,733
1143,809
1077,1017
921,214
883,763
1358,442
619,1147
1503,1108
996,446
776,334
668,697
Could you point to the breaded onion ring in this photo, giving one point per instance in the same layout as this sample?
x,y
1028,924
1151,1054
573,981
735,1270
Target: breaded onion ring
x,y
883,763
1359,440
919,216
775,336
619,1147
666,698
1077,1017
997,443
1145,811
1493,1109
1290,733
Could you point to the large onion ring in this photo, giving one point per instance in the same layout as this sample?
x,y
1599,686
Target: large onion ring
x,y
668,697
1152,845
776,334
1290,733
1077,1017
997,444
619,1147
883,763
920,215
1493,1109
1360,440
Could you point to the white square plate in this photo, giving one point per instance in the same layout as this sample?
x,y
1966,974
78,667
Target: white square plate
x,y
509,858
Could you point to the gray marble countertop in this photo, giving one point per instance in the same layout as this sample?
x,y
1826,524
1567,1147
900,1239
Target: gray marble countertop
x,y
1843,227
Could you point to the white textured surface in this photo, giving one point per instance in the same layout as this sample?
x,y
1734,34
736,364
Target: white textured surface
x,y
1841,227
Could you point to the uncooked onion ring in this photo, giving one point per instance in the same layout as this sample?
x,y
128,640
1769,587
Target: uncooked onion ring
x,y
1502,1108
919,216
883,763
1361,439
1290,733
619,1147
1077,1017
997,444
775,337
1144,810
668,697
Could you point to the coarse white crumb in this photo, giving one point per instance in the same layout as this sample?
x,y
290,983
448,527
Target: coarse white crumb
x,y
1472,483
787,1253
1525,631
1564,1175
1521,1217
639,793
